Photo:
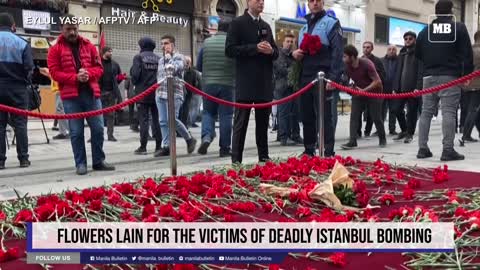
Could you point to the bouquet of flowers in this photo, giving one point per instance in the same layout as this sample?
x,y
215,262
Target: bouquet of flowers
x,y
311,45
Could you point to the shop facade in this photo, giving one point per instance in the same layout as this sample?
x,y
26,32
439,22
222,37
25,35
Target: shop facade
x,y
174,18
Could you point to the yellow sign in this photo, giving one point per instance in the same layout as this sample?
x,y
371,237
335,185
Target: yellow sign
x,y
155,4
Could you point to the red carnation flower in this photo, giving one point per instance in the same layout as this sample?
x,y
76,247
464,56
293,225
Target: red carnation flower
x,y
303,212
359,187
274,267
229,218
184,267
311,44
387,199
408,193
3,216
148,210
95,205
151,218
413,183
22,216
338,259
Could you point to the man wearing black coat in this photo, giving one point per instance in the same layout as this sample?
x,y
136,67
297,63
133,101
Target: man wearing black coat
x,y
144,75
109,88
250,42
409,77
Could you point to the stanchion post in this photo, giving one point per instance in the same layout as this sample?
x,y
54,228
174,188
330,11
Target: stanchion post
x,y
172,131
321,113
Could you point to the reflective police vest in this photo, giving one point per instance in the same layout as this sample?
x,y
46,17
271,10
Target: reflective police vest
x,y
322,28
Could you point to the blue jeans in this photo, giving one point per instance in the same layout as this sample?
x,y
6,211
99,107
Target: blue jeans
x,y
162,105
225,113
83,103
287,117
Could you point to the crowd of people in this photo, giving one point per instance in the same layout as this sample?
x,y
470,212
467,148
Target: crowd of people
x,y
241,62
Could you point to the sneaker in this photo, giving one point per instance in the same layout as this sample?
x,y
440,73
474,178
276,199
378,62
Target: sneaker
x,y
103,166
400,136
202,150
112,139
162,152
25,163
393,133
191,145
61,137
2,165
424,153
451,155
140,151
82,169
408,139
348,146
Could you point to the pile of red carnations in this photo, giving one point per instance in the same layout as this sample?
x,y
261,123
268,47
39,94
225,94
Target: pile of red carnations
x,y
232,194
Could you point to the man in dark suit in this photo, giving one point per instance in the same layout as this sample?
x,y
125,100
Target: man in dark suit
x,y
250,42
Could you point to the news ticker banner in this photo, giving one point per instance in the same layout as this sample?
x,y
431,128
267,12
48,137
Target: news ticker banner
x,y
242,242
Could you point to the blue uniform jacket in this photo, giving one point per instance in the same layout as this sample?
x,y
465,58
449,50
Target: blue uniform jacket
x,y
330,57
16,61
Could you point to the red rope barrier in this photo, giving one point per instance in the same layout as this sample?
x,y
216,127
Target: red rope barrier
x,y
415,93
249,106
135,99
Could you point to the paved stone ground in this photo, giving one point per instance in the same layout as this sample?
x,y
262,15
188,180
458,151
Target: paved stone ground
x,y
52,167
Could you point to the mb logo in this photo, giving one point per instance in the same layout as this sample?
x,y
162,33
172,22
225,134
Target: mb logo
x,y
442,29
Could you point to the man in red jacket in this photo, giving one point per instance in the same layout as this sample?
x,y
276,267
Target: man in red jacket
x,y
75,64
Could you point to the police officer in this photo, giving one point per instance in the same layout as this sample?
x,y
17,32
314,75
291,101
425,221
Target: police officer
x,y
328,60
16,66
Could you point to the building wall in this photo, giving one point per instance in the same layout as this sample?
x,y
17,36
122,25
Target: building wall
x,y
89,31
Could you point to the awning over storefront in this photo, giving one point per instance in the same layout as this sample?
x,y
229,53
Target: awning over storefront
x,y
302,22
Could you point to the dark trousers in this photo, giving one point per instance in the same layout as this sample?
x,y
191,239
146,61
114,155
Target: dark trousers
x,y
309,112
108,100
14,97
144,111
464,107
132,120
288,126
472,118
185,109
407,123
240,126
375,112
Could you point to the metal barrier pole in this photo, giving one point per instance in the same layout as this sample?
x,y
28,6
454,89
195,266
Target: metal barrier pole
x,y
321,114
172,131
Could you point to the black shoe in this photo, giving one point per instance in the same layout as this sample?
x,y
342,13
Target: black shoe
x,y
61,137
469,139
89,140
461,130
424,153
134,129
375,133
191,145
55,128
310,153
451,155
408,139
112,139
224,153
264,159
82,169
103,166
202,150
150,138
350,145
194,125
366,134
383,143
298,140
140,151
162,152
2,165
393,133
400,136
25,163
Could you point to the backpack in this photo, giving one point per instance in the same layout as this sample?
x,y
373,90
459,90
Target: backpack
x,y
34,98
